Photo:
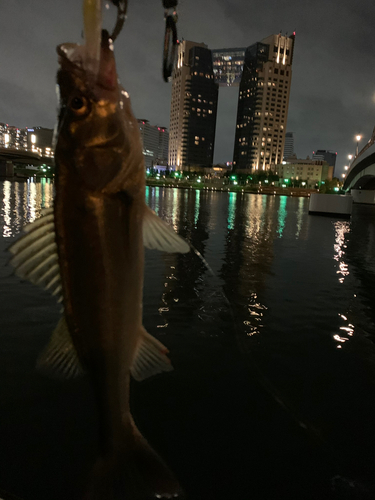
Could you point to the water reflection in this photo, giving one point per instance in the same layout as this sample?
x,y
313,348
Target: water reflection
x,y
281,215
300,214
6,209
342,228
22,203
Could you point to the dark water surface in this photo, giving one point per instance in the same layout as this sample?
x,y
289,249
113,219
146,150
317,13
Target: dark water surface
x,y
272,397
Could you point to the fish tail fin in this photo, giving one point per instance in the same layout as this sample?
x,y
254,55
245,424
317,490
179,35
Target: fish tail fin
x,y
133,471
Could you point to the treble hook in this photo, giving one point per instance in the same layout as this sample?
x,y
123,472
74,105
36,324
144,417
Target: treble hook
x,y
122,7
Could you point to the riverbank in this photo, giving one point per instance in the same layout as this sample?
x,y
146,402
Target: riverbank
x,y
246,188
24,174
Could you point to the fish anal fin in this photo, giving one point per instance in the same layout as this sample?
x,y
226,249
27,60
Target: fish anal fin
x,y
150,358
158,235
59,358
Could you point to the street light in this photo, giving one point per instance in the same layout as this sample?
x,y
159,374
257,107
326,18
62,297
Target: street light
x,y
346,167
343,176
358,138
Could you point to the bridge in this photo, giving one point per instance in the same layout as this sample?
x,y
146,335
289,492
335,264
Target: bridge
x,y
361,174
25,157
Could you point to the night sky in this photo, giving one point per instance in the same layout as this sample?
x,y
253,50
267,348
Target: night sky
x,y
333,84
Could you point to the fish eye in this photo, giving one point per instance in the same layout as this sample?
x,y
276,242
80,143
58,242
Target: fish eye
x,y
78,105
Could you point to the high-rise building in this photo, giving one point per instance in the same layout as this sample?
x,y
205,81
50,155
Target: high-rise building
x,y
263,104
155,143
193,107
289,145
12,137
325,155
163,145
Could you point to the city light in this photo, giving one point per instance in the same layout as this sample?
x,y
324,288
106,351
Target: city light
x,y
343,175
346,167
33,138
350,157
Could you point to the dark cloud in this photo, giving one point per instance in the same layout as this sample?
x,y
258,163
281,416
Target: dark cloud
x,y
332,95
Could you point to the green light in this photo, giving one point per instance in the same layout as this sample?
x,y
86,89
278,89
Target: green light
x,y
336,189
233,177
198,180
286,181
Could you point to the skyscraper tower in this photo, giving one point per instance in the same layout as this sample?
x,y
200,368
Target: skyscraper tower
x,y
193,108
289,145
263,104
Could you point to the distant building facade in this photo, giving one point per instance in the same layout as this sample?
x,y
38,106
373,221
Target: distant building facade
x,y
310,171
263,104
289,145
325,155
36,139
162,157
228,66
39,140
193,107
155,143
12,137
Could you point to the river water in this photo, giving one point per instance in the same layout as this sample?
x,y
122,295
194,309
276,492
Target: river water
x,y
273,392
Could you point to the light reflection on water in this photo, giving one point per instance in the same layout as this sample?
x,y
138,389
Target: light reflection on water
x,y
342,228
23,202
297,287
282,215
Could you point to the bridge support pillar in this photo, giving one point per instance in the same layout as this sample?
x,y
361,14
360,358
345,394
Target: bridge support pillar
x,y
6,169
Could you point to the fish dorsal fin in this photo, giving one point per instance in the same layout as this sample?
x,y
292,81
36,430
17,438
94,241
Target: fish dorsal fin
x,y
34,254
150,358
158,235
59,358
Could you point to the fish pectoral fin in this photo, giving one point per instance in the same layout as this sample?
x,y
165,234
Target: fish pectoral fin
x,y
150,358
34,254
59,358
158,235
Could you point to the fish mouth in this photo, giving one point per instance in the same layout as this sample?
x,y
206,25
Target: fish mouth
x,y
71,57
100,74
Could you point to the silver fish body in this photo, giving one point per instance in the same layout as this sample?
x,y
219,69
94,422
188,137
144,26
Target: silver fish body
x,y
99,227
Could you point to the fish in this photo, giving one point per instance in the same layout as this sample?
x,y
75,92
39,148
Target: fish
x,y
88,250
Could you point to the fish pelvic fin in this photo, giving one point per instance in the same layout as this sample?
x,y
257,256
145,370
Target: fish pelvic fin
x,y
132,471
150,358
59,358
158,235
